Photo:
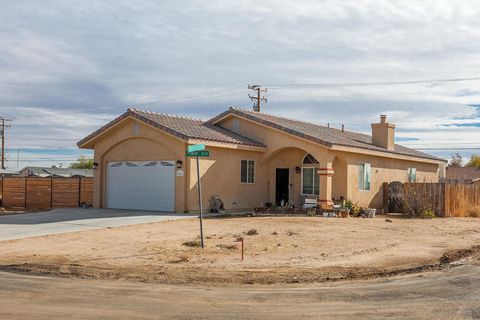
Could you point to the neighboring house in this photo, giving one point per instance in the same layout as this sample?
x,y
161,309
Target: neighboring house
x,y
55,172
8,173
255,158
462,175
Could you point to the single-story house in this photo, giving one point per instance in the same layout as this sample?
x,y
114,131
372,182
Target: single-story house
x,y
8,173
255,158
55,172
462,175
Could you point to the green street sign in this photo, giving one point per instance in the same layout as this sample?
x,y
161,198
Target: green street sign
x,y
196,147
203,153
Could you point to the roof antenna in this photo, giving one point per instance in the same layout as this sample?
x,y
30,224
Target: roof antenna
x,y
257,100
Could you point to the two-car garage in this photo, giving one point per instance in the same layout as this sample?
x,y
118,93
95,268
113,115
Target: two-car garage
x,y
141,185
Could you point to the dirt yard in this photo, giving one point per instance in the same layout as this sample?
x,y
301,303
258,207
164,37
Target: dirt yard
x,y
283,249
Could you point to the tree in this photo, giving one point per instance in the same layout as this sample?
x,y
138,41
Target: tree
x,y
474,161
82,163
456,161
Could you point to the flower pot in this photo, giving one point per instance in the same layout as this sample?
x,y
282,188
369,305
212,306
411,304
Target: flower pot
x,y
371,213
344,213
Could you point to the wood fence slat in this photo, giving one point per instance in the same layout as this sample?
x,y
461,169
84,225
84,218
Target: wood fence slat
x,y
45,193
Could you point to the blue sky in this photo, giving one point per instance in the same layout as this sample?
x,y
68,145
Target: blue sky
x,y
68,67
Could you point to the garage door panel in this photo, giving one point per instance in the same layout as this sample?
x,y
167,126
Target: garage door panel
x,y
141,185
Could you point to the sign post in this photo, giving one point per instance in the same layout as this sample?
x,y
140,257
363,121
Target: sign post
x,y
199,188
198,150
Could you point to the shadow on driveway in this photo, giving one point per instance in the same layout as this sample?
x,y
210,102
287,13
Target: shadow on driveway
x,y
78,214
76,219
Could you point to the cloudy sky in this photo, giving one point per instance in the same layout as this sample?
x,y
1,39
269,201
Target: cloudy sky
x,y
68,67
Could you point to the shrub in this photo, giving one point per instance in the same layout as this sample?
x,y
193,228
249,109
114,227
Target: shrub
x,y
227,246
311,212
428,214
355,209
474,212
417,201
192,243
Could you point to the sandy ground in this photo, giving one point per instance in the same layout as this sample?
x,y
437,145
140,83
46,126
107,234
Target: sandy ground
x,y
285,250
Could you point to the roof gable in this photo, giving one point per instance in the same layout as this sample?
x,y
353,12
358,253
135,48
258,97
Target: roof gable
x,y
182,127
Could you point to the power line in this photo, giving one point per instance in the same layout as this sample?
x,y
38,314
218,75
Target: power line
x,y
367,84
149,104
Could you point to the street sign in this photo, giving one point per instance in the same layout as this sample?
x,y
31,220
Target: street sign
x,y
204,153
196,147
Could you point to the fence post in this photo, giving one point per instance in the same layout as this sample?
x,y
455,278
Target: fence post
x,y
79,191
51,192
25,189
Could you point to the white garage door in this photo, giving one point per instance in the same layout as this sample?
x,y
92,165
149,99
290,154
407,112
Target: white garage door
x,y
141,185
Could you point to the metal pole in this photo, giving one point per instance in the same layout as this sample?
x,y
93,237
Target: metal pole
x,y
3,143
199,188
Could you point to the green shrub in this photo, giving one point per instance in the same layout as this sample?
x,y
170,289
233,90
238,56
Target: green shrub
x,y
428,214
311,212
355,209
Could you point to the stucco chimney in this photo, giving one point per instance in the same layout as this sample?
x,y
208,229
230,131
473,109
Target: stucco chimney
x,y
383,134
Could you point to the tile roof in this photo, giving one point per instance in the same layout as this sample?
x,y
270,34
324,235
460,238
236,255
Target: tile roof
x,y
188,128
466,174
182,127
320,134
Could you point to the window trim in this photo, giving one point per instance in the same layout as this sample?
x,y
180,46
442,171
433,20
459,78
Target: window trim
x,y
315,172
358,171
254,171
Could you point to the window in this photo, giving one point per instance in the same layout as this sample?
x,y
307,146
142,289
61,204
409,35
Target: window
x,y
364,176
310,181
247,174
412,174
310,178
309,159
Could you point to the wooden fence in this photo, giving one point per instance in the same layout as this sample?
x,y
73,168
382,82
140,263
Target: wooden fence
x,y
45,193
446,199
459,198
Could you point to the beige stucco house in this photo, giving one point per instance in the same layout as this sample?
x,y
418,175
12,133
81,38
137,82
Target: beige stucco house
x,y
255,158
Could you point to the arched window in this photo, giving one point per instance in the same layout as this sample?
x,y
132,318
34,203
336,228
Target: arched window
x,y
310,178
309,159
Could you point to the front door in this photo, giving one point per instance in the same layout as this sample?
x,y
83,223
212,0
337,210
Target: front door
x,y
281,185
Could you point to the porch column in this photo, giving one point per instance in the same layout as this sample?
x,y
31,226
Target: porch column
x,y
325,173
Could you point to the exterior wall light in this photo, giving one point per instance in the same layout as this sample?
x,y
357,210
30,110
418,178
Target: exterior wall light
x,y
298,170
179,164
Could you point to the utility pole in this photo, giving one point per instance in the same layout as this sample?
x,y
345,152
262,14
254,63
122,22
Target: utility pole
x,y
258,98
18,158
3,125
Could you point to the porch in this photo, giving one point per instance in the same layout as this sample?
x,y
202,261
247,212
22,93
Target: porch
x,y
296,174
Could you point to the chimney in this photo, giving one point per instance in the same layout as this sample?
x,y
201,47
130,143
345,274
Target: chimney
x,y
383,134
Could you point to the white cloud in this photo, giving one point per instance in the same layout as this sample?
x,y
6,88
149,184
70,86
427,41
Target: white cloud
x,y
57,57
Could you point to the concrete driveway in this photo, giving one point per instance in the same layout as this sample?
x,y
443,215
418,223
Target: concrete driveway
x,y
75,219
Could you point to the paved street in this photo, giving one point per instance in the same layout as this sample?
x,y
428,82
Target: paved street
x,y
448,294
74,219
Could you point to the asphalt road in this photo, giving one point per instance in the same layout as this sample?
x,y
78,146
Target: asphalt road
x,y
18,226
447,294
